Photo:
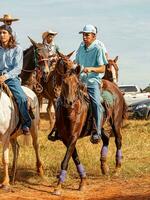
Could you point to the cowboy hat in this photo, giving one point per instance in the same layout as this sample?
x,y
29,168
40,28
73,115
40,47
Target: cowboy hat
x,y
50,32
7,17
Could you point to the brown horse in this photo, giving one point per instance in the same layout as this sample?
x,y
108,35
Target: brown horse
x,y
111,70
52,89
72,120
45,84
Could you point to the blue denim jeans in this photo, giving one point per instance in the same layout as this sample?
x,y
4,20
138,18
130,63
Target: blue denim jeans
x,y
21,99
97,108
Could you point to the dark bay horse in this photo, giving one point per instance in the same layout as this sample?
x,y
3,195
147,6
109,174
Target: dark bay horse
x,y
36,74
72,120
52,88
111,70
35,63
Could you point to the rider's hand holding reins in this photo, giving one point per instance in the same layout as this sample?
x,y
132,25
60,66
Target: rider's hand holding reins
x,y
2,79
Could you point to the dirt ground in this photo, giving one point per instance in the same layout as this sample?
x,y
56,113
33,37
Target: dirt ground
x,y
96,189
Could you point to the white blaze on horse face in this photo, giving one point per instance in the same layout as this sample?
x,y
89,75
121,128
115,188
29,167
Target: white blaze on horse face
x,y
114,74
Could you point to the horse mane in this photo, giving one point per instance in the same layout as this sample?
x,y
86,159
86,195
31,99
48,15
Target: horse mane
x,y
26,50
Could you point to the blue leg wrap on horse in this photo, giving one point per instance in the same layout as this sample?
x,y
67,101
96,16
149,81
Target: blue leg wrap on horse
x,y
104,151
81,170
119,155
62,175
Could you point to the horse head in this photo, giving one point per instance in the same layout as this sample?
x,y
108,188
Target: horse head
x,y
71,86
111,72
41,60
64,64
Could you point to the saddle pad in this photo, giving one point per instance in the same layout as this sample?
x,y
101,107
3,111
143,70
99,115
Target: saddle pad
x,y
108,97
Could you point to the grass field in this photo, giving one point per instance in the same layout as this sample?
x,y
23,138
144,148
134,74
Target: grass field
x,y
136,153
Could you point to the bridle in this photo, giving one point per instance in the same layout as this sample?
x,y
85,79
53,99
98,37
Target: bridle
x,y
37,60
36,54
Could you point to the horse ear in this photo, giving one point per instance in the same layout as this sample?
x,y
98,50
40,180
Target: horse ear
x,y
77,70
115,60
70,54
33,42
60,54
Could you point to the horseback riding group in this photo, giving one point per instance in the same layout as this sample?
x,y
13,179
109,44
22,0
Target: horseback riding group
x,y
84,94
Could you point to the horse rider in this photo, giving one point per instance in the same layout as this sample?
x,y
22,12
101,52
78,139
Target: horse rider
x,y
48,41
7,20
92,59
102,45
11,61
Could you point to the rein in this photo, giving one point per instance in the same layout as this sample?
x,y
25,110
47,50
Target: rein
x,y
28,70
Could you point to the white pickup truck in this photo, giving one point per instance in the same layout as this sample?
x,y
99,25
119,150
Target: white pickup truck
x,y
132,93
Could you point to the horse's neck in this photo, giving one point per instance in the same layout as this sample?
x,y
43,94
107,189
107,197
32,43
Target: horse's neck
x,y
28,59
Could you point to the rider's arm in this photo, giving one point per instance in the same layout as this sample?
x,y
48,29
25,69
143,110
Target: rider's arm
x,y
99,69
17,64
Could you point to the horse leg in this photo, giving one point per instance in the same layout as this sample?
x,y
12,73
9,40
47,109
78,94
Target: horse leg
x,y
51,114
15,149
118,142
34,134
64,166
80,170
104,152
5,160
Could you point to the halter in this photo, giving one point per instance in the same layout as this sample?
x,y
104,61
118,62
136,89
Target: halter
x,y
38,70
36,61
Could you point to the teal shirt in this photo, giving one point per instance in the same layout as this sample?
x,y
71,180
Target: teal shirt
x,y
93,56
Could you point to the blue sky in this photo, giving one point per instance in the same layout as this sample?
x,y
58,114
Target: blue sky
x,y
124,27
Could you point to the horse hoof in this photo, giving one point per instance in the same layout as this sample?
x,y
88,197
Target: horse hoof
x,y
5,188
117,172
57,192
105,170
81,188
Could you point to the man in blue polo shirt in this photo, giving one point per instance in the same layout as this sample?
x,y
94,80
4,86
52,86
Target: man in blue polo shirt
x,y
91,57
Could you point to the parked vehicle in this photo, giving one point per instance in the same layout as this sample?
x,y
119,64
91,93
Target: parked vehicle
x,y
139,110
133,94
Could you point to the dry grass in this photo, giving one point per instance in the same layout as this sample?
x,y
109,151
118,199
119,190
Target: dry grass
x,y
136,153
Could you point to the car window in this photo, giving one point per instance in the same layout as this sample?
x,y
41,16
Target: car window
x,y
128,88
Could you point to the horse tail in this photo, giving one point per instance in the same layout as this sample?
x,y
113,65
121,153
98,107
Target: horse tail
x,y
124,111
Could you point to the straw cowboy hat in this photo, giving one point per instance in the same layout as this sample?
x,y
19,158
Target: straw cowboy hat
x,y
7,17
50,32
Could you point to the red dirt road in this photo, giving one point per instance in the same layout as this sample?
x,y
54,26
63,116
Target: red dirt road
x,y
96,189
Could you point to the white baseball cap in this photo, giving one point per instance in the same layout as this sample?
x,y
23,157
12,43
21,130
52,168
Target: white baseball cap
x,y
88,29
